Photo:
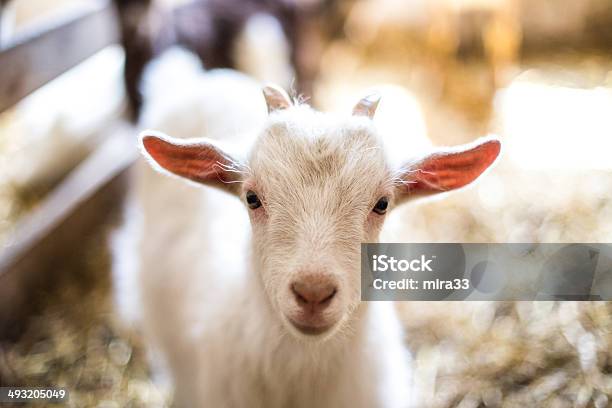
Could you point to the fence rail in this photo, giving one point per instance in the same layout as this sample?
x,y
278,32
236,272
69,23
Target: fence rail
x,y
46,237
43,55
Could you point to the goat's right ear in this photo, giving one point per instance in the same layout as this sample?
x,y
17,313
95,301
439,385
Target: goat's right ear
x,y
200,161
448,169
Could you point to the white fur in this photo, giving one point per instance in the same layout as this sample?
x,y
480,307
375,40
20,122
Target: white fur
x,y
212,293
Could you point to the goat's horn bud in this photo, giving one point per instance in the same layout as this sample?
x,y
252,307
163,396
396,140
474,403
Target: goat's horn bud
x,y
367,106
276,98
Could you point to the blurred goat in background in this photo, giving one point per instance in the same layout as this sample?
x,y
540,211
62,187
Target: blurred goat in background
x,y
215,29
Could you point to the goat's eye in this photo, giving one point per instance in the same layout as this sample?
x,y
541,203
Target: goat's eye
x,y
381,206
252,200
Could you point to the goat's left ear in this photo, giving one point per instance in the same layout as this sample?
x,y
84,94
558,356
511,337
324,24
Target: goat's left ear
x,y
447,169
200,161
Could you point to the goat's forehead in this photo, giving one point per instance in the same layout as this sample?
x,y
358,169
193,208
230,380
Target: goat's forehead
x,y
305,141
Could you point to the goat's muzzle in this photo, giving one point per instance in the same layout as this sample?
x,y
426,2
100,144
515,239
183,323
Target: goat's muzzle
x,y
313,295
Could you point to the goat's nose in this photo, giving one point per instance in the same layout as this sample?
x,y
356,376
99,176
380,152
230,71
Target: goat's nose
x,y
314,293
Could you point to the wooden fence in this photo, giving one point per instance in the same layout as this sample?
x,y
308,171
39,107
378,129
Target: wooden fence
x,y
93,189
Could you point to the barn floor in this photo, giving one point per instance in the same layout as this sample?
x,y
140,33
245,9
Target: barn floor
x,y
76,342
505,354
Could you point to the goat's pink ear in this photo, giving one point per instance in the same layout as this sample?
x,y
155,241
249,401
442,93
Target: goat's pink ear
x,y
198,161
447,170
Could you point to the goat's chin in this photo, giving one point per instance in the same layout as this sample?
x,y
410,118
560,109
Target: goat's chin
x,y
311,334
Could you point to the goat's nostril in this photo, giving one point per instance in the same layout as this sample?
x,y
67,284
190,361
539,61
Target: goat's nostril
x,y
330,296
313,294
300,298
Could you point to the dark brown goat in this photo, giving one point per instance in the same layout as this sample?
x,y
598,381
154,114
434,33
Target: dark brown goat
x,y
210,28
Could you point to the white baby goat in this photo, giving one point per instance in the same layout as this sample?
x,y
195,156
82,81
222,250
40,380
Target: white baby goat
x,y
272,317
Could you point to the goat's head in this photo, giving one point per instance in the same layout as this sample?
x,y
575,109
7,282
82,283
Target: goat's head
x,y
316,186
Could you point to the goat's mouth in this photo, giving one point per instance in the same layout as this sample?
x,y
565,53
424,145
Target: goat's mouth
x,y
310,330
